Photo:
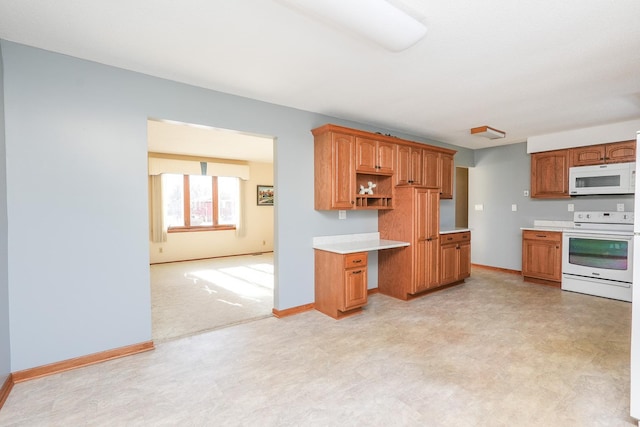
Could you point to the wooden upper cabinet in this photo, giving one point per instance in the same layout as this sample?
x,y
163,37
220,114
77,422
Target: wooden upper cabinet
x,y
615,152
409,169
590,155
550,174
375,157
620,152
360,170
432,168
334,171
446,189
438,172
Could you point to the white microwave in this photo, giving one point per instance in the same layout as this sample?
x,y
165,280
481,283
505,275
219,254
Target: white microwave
x,y
614,178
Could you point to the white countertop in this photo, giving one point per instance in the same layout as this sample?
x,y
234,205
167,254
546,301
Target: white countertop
x,y
454,230
350,243
547,225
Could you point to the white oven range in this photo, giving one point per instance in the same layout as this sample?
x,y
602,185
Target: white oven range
x,y
597,255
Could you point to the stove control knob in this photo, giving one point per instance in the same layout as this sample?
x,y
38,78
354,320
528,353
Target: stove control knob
x,y
588,215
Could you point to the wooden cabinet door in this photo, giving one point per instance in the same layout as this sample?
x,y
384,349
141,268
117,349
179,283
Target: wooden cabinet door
x,y
386,157
542,258
619,152
446,191
432,168
355,288
366,155
421,273
416,171
464,254
427,244
343,173
403,164
550,174
590,155
448,263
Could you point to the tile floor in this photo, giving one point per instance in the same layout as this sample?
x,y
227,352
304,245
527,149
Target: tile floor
x,y
492,352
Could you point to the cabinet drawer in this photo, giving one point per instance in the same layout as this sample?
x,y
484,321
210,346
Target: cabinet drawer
x,y
358,259
455,237
554,236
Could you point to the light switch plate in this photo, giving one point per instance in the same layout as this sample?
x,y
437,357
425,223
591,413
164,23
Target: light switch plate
x,y
479,207
620,207
526,193
514,207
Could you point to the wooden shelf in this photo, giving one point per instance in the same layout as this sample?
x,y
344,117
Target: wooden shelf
x,y
375,201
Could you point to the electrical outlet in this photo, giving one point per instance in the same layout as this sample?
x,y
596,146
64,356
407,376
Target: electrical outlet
x,y
620,207
514,207
526,193
342,214
570,207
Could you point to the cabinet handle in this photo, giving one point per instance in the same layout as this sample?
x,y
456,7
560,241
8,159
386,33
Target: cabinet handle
x,y
356,272
449,238
541,235
357,261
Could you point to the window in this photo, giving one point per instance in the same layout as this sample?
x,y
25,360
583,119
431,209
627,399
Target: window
x,y
200,202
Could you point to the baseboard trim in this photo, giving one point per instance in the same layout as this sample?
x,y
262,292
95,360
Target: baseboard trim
x,y
293,310
537,281
504,270
79,362
373,291
210,257
6,389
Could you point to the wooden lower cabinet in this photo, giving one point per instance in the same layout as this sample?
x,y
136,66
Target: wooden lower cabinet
x,y
455,257
542,256
407,271
340,283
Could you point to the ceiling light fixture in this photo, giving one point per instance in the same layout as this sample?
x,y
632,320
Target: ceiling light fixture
x,y
375,20
488,132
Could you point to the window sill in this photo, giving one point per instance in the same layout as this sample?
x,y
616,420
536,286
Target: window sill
x,y
196,229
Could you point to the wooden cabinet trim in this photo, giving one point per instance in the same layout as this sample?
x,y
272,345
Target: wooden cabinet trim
x,y
378,137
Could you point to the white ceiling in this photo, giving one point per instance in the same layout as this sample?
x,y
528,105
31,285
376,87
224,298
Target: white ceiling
x,y
525,67
189,139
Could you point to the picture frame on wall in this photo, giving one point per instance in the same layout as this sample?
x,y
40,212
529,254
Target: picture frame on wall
x,y
265,195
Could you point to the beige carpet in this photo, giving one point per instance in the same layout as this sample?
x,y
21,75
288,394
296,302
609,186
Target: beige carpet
x,y
195,296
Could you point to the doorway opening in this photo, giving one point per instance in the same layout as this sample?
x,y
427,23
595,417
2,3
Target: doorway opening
x,y
211,241
462,197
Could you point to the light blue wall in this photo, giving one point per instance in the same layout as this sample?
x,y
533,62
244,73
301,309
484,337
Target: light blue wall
x,y
5,355
77,198
497,181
